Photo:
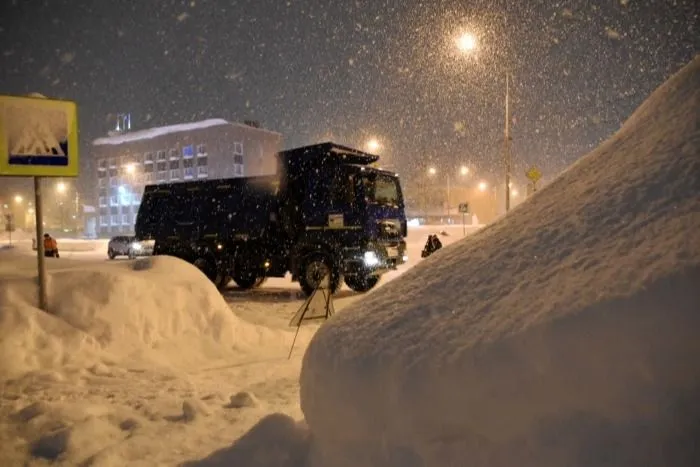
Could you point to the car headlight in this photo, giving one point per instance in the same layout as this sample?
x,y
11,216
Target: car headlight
x,y
371,258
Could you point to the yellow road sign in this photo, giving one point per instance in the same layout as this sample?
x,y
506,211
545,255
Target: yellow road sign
x,y
533,174
38,137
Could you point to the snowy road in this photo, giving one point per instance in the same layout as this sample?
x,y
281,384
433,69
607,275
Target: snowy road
x,y
148,392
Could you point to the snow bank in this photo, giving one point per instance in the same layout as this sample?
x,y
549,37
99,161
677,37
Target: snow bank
x,y
157,310
564,334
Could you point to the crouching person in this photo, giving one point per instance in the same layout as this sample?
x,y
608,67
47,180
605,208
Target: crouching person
x,y
50,247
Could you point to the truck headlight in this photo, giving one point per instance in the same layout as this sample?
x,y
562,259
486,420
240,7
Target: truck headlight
x,y
371,258
136,246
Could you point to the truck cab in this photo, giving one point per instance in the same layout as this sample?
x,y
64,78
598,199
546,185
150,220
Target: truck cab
x,y
344,211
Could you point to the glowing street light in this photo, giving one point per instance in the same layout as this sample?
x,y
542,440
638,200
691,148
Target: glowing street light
x,y
466,42
61,187
130,168
483,186
464,170
373,145
432,171
18,199
514,193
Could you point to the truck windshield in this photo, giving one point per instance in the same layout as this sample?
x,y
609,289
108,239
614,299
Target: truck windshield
x,y
381,189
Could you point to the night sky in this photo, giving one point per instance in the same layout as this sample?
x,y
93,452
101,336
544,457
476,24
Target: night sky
x,y
357,68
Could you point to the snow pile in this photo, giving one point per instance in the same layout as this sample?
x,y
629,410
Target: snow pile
x,y
158,310
564,334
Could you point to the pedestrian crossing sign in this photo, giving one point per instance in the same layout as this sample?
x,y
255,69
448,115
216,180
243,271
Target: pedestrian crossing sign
x,y
38,137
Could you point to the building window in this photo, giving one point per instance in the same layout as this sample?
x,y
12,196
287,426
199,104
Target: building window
x,y
238,159
115,219
201,149
202,161
187,151
103,201
238,148
148,178
174,165
112,162
238,170
188,172
114,201
188,163
148,158
102,164
125,219
162,176
161,155
104,221
202,172
148,168
113,181
101,182
175,174
161,166
113,172
102,174
174,154
136,199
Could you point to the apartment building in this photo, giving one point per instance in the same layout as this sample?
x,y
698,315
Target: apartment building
x,y
125,162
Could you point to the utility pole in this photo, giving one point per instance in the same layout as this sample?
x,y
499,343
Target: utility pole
x,y
506,143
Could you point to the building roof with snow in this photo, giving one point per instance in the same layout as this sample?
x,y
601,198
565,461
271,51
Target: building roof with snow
x,y
155,132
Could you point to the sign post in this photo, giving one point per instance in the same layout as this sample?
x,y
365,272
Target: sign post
x,y
534,175
464,209
9,226
38,138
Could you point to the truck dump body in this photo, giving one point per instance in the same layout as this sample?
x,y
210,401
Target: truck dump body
x,y
208,209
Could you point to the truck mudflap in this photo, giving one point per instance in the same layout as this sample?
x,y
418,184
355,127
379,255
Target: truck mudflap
x,y
374,259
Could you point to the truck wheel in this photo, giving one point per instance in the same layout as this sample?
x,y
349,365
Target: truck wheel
x,y
361,283
209,268
111,254
313,269
245,280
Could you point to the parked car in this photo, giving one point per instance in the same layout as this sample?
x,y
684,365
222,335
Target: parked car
x,y
127,246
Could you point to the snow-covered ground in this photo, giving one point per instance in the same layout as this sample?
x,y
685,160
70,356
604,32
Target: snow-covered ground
x,y
565,334
145,363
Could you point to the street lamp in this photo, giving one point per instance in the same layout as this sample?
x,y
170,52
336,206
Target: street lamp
x,y
61,187
467,43
483,186
130,168
464,170
18,199
373,145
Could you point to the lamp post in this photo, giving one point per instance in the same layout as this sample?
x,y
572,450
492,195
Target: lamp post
x,y
468,43
463,171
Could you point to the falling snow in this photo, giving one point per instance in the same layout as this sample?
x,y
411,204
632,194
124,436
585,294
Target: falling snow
x,y
306,69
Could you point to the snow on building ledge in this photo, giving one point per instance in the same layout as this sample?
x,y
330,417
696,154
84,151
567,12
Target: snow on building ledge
x,y
151,133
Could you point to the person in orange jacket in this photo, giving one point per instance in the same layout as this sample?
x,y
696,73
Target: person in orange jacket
x,y
50,247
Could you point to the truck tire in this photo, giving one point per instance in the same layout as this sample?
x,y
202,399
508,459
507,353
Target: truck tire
x,y
209,268
313,268
359,283
245,280
111,254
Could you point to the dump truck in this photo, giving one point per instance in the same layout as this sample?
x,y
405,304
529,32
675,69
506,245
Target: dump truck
x,y
328,212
